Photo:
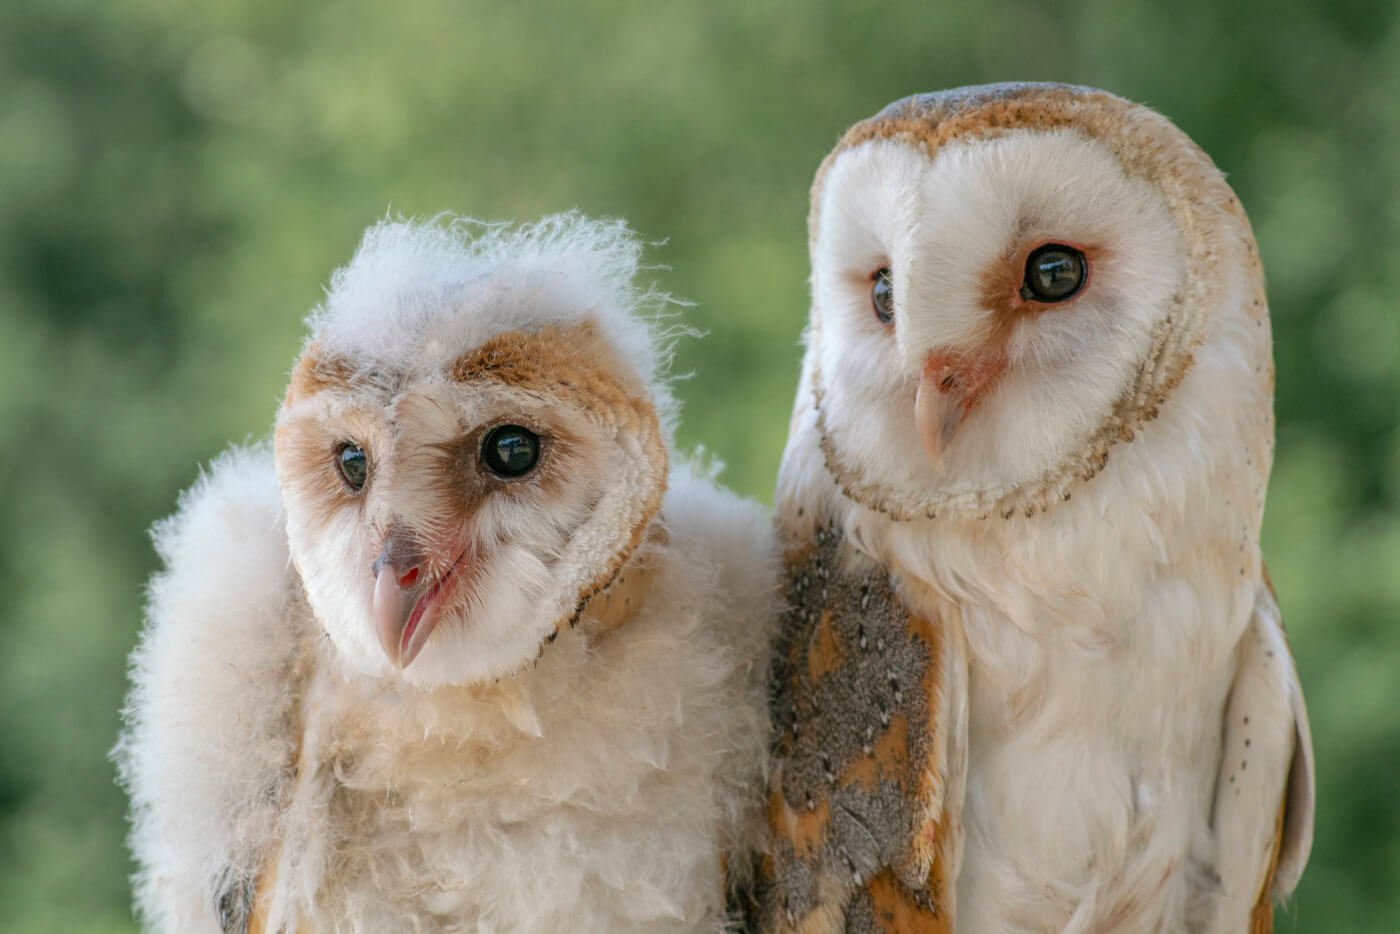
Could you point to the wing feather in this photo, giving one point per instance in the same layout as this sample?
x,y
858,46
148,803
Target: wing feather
x,y
1263,813
866,797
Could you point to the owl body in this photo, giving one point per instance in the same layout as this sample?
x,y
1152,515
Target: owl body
x,y
1067,493
582,749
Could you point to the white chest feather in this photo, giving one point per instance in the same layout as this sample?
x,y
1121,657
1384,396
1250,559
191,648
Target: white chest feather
x,y
1091,770
596,792
1102,639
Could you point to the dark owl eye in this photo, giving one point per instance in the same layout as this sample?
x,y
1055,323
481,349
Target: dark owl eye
x,y
510,451
354,466
882,295
1054,273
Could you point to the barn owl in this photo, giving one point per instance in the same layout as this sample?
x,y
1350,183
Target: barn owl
x,y
1032,676
460,650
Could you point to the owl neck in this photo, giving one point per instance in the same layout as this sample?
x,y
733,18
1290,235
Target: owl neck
x,y
611,606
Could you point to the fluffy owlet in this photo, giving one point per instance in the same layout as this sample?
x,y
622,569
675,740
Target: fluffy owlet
x,y
1033,677
458,651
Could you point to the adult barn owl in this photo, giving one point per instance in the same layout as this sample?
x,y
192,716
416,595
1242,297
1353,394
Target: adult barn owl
x,y
458,651
1033,676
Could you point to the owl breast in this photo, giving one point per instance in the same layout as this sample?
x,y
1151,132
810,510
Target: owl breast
x,y
1095,706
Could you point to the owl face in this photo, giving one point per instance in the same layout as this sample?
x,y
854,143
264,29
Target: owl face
x,y
448,519
985,303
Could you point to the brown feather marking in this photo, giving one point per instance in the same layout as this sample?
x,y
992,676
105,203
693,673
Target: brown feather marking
x,y
805,830
824,654
622,597
1261,919
930,842
895,909
318,370
649,509
1269,585
888,759
574,362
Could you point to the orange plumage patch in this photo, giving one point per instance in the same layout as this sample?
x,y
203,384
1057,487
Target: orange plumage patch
x,y
897,910
573,363
805,829
825,655
888,759
317,370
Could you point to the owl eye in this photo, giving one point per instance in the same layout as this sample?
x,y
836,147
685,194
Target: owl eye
x,y
354,465
1054,273
510,451
882,295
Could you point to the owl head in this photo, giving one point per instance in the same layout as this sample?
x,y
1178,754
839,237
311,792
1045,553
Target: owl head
x,y
473,441
1008,280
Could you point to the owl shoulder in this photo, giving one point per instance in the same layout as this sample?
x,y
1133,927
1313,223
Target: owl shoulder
x,y
227,589
208,743
730,539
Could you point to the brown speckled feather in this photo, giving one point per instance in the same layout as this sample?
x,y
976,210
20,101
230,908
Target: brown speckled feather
x,y
864,825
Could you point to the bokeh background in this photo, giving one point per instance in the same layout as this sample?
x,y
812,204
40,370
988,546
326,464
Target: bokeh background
x,y
177,181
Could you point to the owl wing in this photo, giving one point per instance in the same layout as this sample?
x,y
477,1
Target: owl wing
x,y
870,714
1263,811
208,746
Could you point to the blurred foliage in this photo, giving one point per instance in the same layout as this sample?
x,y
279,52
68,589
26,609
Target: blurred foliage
x,y
177,181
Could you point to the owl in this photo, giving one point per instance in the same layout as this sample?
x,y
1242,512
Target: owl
x,y
1032,676
460,649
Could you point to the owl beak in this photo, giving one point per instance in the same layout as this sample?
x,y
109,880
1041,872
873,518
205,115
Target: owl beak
x,y
951,385
397,606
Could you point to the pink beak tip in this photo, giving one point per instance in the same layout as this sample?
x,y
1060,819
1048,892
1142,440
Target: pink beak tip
x,y
392,606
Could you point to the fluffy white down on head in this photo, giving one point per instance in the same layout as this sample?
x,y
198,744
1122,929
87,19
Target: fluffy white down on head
x,y
939,225
417,289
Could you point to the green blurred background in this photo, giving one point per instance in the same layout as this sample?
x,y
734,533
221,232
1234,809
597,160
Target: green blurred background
x,y
177,181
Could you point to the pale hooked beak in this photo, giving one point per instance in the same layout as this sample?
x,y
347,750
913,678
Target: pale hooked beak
x,y
950,388
399,586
